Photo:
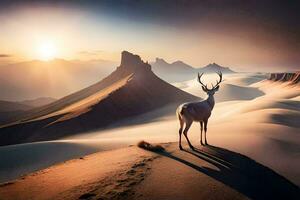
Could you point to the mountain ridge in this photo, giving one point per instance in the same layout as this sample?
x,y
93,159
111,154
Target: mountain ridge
x,y
11,109
214,67
180,71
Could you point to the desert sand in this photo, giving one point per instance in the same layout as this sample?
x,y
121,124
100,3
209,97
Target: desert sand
x,y
73,178
131,173
262,126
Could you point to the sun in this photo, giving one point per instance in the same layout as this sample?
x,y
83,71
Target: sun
x,y
47,51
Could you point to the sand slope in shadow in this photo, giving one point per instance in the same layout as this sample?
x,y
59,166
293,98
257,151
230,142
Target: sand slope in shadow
x,y
212,172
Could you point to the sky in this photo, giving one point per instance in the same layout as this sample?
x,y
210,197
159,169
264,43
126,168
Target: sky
x,y
247,35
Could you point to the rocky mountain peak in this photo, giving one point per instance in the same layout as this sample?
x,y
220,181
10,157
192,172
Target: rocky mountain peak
x,y
160,61
179,62
133,62
213,67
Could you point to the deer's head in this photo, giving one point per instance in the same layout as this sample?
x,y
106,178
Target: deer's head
x,y
214,88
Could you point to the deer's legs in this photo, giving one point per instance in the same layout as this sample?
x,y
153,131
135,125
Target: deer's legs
x,y
186,129
201,130
205,130
180,132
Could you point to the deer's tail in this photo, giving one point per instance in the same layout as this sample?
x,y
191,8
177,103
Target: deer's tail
x,y
180,112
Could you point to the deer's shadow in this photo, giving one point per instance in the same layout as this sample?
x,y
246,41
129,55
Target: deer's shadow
x,y
240,173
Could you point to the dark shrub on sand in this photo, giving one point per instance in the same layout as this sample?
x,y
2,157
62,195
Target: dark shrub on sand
x,y
147,146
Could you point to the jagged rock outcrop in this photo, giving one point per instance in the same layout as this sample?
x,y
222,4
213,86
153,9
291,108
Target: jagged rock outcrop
x,y
293,78
133,63
132,89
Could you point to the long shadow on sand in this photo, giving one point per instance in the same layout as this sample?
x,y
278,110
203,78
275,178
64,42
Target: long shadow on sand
x,y
240,173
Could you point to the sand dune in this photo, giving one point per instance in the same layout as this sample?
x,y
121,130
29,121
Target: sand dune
x,y
231,92
18,160
235,87
245,79
131,173
74,178
285,117
240,125
212,173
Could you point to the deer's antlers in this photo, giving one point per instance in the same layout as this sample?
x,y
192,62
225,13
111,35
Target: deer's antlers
x,y
219,81
213,86
199,80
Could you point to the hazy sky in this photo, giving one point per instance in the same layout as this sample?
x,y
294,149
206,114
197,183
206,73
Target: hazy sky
x,y
247,35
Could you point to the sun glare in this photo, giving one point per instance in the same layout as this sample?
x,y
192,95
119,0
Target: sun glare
x,y
47,51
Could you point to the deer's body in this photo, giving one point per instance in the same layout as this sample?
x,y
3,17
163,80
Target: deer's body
x,y
197,111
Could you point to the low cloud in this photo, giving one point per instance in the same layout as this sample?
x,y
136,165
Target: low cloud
x,y
91,53
5,55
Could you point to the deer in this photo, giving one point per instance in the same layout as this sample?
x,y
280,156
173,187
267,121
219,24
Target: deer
x,y
200,111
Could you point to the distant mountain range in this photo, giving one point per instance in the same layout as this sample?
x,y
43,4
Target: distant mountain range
x,y
10,109
180,71
160,65
55,78
130,90
8,106
41,101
